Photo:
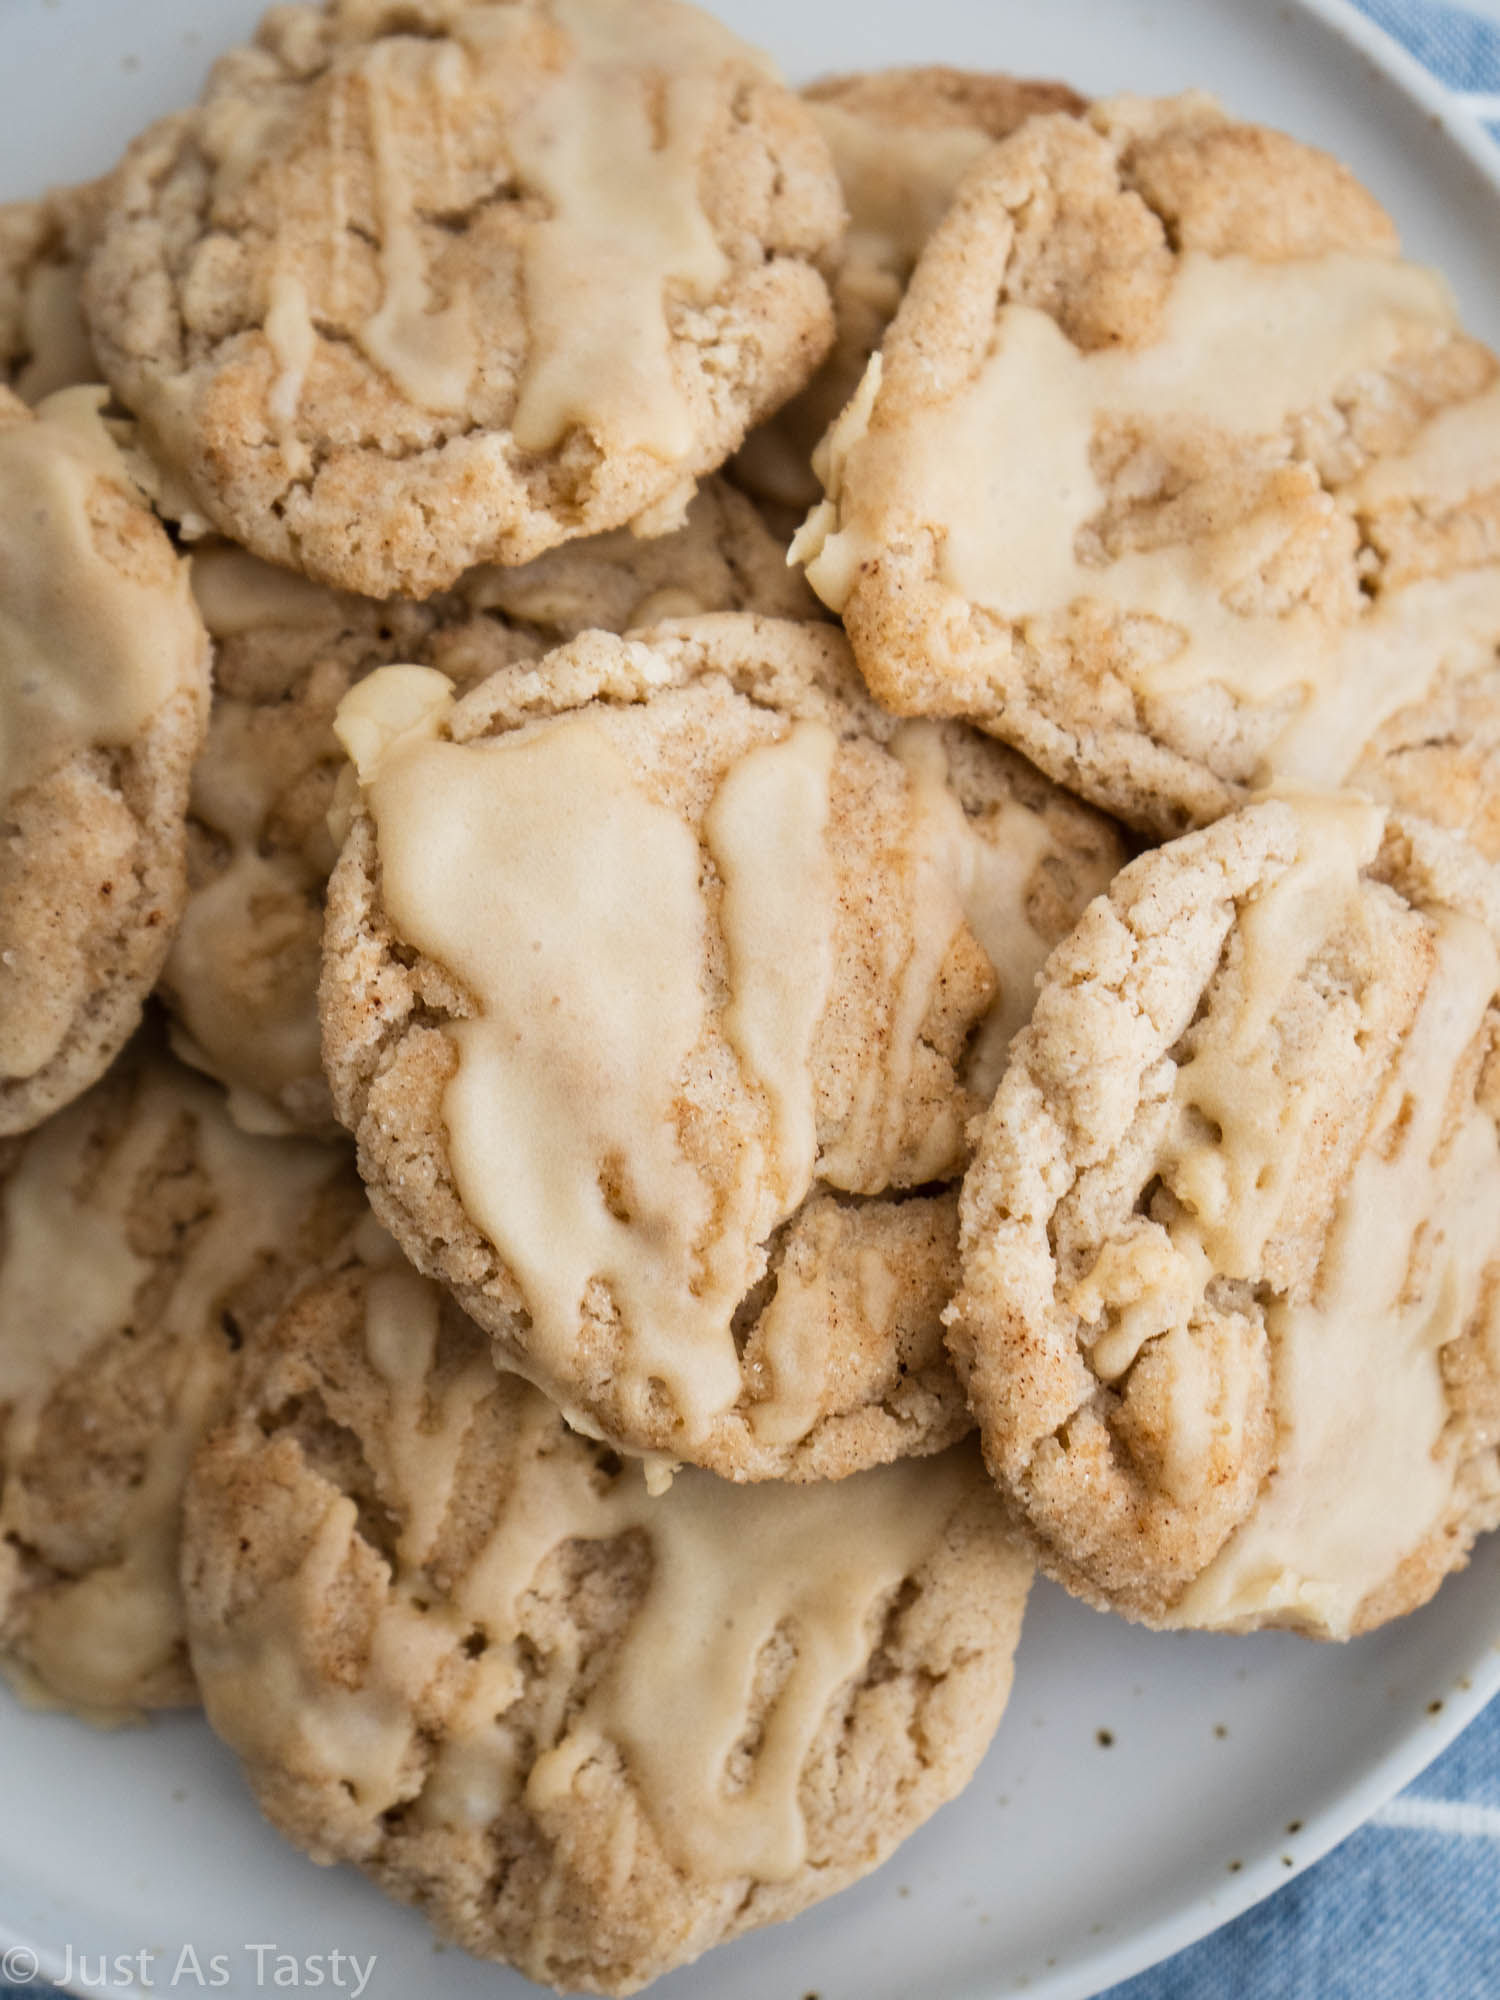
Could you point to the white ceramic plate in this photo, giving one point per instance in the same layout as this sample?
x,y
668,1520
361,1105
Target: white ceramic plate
x,y
1143,1788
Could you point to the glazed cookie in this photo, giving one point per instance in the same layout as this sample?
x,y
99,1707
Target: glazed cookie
x,y
103,700
902,140
44,344
586,1731
421,286
141,1236
1204,500
1231,1239
242,976
658,984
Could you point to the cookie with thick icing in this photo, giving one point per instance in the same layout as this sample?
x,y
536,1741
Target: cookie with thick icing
x,y
414,288
242,976
902,140
1171,471
44,343
660,982
587,1731
103,700
1230,1313
142,1237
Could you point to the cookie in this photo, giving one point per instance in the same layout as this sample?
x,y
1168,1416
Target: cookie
x,y
723,558
657,980
141,1238
902,140
103,700
1202,502
586,1731
240,981
1231,1239
44,343
242,976
418,287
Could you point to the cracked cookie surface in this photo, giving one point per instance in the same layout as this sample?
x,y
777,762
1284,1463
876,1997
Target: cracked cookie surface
x,y
587,1731
1246,509
141,1238
1229,1316
242,976
660,980
418,287
902,140
1441,758
103,701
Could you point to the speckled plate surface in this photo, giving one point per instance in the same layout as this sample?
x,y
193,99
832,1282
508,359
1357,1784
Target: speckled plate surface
x,y
1143,1787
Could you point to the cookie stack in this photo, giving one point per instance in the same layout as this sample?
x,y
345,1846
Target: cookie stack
x,y
1020,956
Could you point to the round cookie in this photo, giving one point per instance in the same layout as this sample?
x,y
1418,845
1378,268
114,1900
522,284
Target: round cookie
x,y
1171,472
586,1731
103,701
1230,1313
242,976
141,1238
902,140
418,287
660,981
44,343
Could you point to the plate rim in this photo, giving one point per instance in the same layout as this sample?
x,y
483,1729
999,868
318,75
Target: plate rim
x,y
1351,1806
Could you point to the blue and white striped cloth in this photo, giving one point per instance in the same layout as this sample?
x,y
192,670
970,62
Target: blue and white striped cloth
x,y
1409,1907
1460,46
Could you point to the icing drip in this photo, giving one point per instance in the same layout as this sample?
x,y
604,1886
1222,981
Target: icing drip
x,y
429,355
71,1283
92,640
613,143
